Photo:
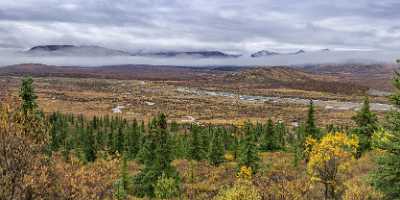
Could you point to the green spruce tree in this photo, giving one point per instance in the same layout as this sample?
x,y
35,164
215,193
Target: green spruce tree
x,y
268,142
311,128
27,95
147,150
132,139
119,140
121,186
386,177
216,150
248,153
297,143
367,124
160,161
195,151
280,132
88,147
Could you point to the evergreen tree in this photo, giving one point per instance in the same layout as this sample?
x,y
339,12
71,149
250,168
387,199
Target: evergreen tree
x,y
144,181
132,140
55,126
280,132
119,140
311,128
298,144
100,138
110,139
58,133
124,176
205,135
147,150
248,154
227,139
259,131
367,124
386,178
164,151
32,114
195,150
159,164
216,150
181,146
27,95
268,139
121,186
88,147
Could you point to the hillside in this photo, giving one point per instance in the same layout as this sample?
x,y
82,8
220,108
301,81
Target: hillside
x,y
141,72
266,53
284,77
98,51
281,74
375,76
230,78
188,54
351,68
72,50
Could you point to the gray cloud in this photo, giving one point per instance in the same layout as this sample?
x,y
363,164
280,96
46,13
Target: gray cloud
x,y
237,26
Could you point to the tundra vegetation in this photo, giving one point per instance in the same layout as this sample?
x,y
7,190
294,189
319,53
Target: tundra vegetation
x,y
68,156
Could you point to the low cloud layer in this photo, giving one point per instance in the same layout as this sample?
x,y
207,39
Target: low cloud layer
x,y
230,26
317,57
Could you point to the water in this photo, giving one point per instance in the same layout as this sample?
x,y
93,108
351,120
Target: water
x,y
327,104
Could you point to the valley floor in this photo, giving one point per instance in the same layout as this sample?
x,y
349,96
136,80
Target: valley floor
x,y
144,99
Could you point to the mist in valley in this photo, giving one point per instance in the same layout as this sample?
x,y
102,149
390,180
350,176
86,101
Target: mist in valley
x,y
12,57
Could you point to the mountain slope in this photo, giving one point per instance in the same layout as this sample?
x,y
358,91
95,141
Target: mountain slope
x,y
246,78
97,51
375,76
140,72
265,53
285,77
71,50
194,54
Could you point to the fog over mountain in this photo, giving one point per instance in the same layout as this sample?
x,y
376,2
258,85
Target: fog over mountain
x,y
97,56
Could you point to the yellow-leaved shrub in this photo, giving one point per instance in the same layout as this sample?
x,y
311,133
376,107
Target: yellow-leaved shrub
x,y
242,190
329,159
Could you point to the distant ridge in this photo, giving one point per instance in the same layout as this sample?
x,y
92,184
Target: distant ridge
x,y
199,54
73,50
264,53
298,52
50,47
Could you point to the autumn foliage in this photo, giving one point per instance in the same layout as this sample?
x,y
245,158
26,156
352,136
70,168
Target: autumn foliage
x,y
329,159
64,156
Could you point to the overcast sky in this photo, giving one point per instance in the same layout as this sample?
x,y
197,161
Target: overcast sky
x,y
227,25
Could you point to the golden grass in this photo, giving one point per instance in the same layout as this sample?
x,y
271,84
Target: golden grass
x,y
70,95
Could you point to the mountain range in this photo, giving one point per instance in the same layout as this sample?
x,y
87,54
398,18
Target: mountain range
x,y
72,50
264,53
81,51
